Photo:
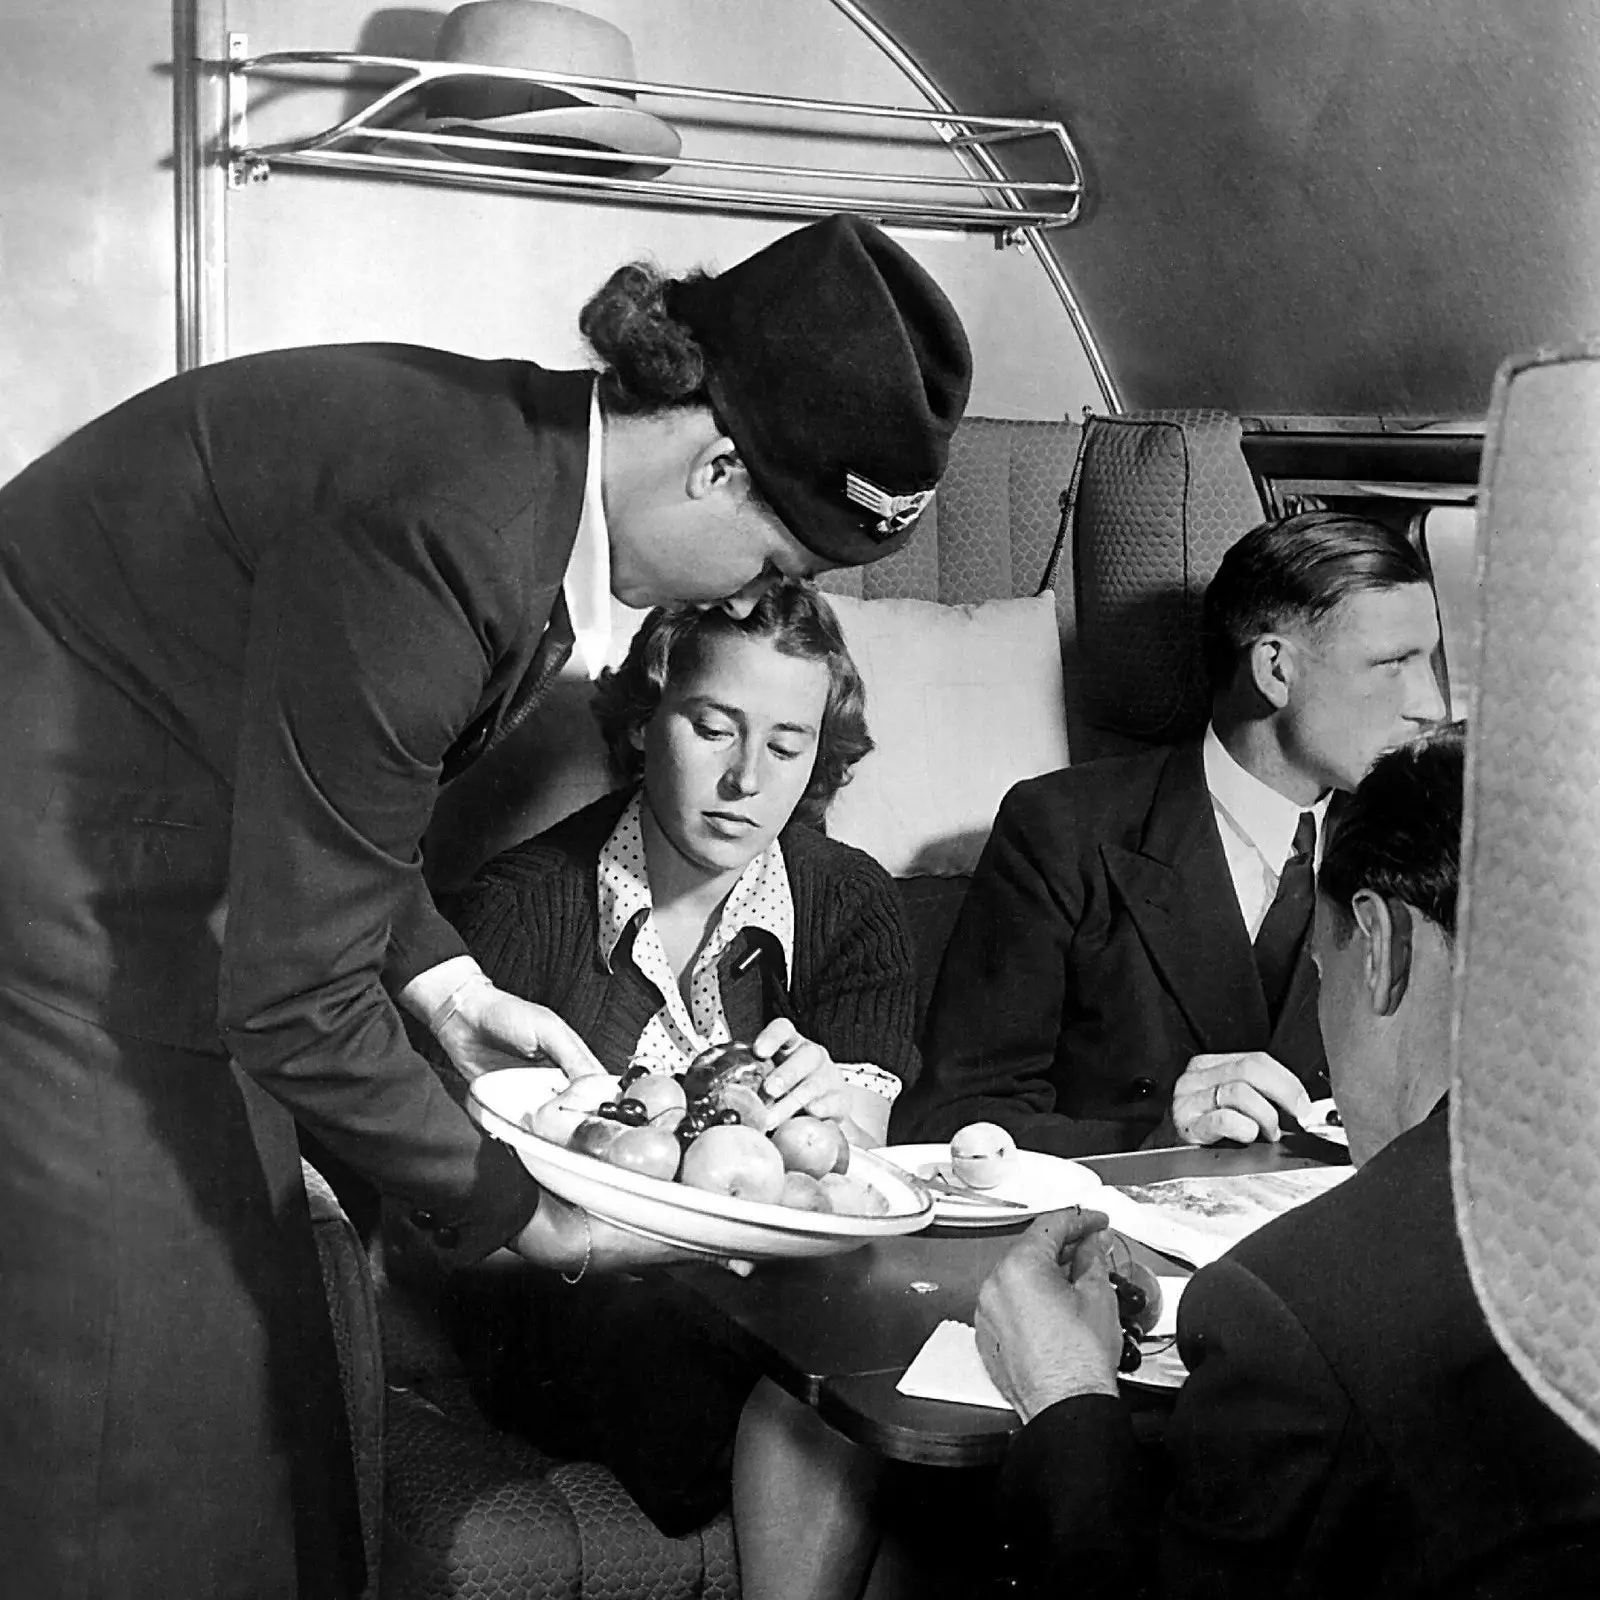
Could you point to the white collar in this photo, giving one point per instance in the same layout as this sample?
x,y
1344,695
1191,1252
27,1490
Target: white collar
x,y
587,584
1266,819
761,898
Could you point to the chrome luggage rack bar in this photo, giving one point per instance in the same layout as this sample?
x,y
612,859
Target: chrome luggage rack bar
x,y
366,142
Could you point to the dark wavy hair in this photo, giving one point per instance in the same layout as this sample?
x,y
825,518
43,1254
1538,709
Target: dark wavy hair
x,y
798,621
1399,834
649,361
1295,570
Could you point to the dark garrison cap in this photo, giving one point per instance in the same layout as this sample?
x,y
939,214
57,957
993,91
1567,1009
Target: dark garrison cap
x,y
840,370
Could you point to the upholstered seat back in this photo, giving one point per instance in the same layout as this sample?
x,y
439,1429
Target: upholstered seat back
x,y
1157,500
1525,1109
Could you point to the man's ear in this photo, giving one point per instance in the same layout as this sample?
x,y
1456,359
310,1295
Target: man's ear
x,y
1384,926
715,465
1271,664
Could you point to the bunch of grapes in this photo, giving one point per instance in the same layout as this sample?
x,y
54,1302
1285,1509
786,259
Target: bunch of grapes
x,y
630,1113
1131,1304
700,1115
701,1111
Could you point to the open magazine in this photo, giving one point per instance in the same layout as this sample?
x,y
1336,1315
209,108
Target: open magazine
x,y
1198,1219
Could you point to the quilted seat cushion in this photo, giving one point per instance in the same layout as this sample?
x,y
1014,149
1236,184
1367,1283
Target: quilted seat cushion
x,y
471,1513
1158,500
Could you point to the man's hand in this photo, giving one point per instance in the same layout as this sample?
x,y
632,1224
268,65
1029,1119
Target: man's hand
x,y
488,1028
1047,1322
1236,1096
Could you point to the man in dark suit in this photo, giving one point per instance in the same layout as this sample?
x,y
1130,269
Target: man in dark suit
x,y
1130,963
1349,1425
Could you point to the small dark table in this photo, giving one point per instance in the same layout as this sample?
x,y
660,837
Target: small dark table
x,y
838,1331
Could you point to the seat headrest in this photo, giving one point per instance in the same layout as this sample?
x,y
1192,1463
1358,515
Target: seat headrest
x,y
1525,1103
1159,498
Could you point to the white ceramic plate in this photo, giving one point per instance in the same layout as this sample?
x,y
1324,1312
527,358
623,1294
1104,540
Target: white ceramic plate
x,y
1317,1123
1038,1183
713,1224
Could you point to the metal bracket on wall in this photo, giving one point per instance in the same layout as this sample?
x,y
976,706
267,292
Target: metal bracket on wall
x,y
385,139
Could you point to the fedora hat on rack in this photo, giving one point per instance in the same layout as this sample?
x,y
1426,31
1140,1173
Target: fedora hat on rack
x,y
531,35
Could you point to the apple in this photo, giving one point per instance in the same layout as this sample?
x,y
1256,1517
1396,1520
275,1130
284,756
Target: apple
x,y
803,1193
744,1102
734,1160
652,1151
554,1122
812,1145
850,1197
657,1092
590,1092
980,1154
595,1135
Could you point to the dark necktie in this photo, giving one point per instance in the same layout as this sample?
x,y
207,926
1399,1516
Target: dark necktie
x,y
1283,930
549,657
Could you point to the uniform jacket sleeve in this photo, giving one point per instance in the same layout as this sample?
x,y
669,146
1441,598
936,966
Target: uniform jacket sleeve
x,y
372,642
995,1020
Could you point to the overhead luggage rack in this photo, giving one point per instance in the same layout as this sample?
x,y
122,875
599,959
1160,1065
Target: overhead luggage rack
x,y
383,139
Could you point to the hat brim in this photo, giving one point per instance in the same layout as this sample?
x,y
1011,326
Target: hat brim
x,y
625,130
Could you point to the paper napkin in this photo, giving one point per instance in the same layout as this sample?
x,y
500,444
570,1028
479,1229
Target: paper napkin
x,y
948,1367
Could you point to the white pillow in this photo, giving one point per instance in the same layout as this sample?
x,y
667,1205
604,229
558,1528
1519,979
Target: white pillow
x,y
963,702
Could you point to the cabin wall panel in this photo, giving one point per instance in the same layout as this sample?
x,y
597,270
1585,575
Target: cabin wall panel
x,y
86,240
87,256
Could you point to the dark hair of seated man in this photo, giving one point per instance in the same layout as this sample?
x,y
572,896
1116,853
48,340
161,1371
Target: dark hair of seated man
x,y
1399,835
1295,570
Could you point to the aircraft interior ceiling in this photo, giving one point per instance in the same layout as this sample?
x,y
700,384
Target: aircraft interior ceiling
x,y
1302,208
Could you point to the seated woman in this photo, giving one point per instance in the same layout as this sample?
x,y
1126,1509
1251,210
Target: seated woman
x,y
702,903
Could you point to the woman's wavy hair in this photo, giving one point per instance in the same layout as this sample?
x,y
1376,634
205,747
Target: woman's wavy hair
x,y
649,361
798,621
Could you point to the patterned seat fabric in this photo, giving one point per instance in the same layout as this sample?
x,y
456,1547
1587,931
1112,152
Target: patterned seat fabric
x,y
475,1512
1525,1105
1158,499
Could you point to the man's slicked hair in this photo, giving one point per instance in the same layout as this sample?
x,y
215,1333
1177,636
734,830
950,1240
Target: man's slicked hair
x,y
1294,571
1399,834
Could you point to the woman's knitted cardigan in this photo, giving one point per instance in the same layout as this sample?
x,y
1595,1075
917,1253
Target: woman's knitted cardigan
x,y
531,918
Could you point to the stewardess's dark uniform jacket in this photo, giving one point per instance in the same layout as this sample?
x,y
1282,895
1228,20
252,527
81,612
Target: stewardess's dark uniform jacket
x,y
247,621
1349,1427
1099,947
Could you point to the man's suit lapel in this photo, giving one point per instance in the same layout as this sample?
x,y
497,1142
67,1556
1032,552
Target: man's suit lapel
x,y
1180,896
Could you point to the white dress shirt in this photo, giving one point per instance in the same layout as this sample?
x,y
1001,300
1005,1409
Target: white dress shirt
x,y
587,584
761,898
1257,825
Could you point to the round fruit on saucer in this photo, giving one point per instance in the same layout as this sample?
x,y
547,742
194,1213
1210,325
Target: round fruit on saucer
x,y
980,1154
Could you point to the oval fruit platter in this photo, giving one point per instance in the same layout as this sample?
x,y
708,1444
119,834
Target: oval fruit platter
x,y
715,1221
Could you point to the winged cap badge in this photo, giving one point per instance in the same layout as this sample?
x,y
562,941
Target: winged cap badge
x,y
894,511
